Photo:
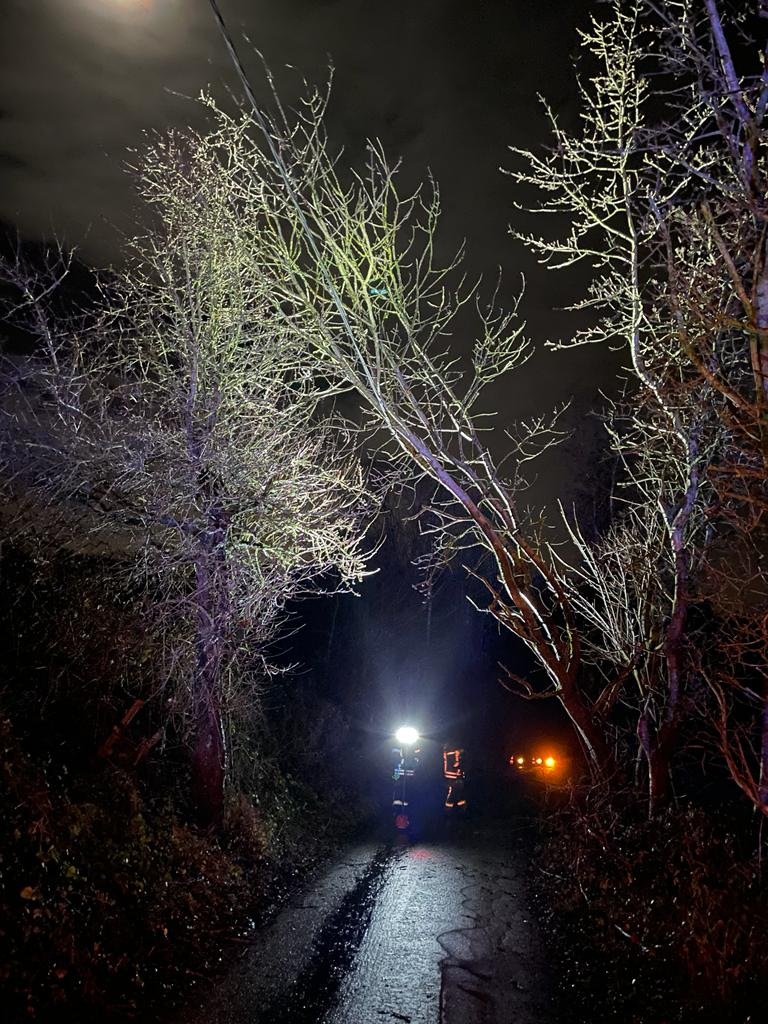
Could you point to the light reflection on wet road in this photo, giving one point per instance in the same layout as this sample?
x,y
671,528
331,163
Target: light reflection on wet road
x,y
436,931
397,969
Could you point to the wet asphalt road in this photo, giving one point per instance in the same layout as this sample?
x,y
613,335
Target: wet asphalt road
x,y
434,929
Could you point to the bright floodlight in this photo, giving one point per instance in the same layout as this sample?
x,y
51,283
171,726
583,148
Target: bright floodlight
x,y
406,735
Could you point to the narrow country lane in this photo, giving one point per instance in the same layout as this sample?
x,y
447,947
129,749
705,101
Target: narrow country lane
x,y
425,931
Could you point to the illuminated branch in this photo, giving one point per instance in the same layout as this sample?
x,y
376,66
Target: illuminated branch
x,y
185,435
665,198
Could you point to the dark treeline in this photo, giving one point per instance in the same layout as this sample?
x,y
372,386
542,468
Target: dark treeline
x,y
177,478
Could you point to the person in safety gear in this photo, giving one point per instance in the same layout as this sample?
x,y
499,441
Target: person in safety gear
x,y
406,762
455,777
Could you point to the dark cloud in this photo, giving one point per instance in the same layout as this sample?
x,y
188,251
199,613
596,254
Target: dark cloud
x,y
442,83
445,84
9,161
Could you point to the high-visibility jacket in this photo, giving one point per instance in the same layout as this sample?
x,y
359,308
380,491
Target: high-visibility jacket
x,y
452,768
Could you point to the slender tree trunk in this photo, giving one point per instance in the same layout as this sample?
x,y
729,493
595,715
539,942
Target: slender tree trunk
x,y
209,748
659,787
759,353
662,749
589,732
761,317
208,765
763,785
659,747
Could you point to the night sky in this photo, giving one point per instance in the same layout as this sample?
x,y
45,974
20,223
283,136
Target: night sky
x,y
445,85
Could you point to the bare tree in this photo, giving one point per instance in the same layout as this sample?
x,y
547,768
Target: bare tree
x,y
664,189
351,266
188,431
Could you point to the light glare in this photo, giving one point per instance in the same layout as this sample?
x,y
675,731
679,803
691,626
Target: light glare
x,y
406,735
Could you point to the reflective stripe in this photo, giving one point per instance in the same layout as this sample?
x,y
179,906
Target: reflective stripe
x,y
452,764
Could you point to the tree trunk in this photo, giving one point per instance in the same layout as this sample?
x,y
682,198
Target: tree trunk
x,y
659,783
209,749
590,734
660,749
208,766
763,782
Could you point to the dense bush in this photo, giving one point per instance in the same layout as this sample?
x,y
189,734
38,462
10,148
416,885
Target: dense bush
x,y
666,915
112,900
101,890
